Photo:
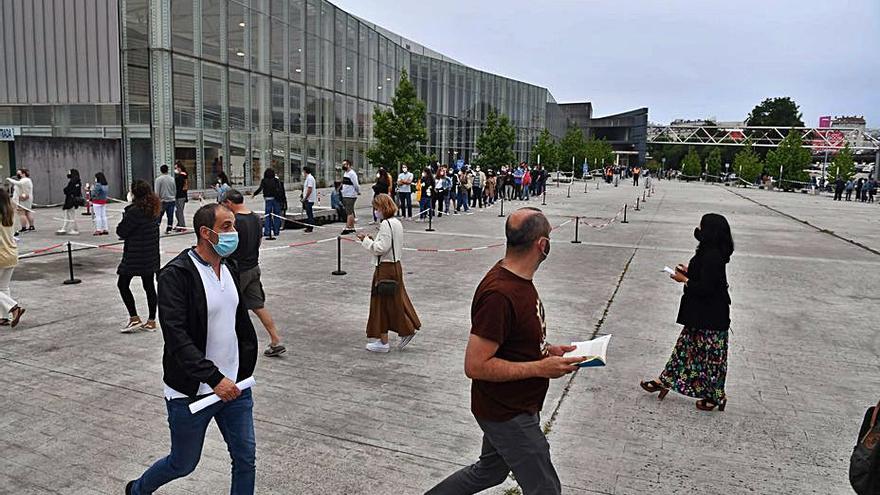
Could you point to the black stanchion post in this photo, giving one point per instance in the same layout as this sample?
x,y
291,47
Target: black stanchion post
x,y
339,256
644,198
577,222
502,207
544,201
430,222
597,184
624,214
71,280
637,204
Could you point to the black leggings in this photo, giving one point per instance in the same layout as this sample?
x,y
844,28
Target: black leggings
x,y
128,298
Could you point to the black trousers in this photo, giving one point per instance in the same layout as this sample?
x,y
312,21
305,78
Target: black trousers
x,y
128,298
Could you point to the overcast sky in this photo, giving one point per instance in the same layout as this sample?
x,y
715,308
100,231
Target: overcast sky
x,y
679,58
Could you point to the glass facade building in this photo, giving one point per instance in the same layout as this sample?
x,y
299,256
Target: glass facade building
x,y
244,85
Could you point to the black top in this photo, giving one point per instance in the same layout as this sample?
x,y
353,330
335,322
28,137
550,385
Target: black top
x,y
270,188
72,191
247,255
705,304
381,186
427,186
183,316
140,254
180,186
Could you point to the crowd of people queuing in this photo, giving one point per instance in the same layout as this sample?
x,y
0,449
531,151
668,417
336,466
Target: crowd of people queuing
x,y
864,189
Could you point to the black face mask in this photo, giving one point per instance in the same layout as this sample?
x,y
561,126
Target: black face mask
x,y
698,234
546,252
68,176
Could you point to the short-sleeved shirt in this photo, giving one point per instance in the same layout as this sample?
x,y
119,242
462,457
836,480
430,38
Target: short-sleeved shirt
x,y
310,182
405,188
247,254
507,310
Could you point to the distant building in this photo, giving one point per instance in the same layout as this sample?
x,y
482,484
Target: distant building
x,y
627,132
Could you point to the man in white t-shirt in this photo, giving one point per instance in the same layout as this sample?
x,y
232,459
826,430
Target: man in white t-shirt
x,y
350,191
310,196
404,191
210,345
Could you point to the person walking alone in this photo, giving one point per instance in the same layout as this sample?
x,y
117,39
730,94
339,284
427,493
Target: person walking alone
x,y
272,191
698,365
404,191
351,189
166,189
181,195
9,307
210,345
73,199
838,189
140,254
510,364
247,260
310,196
99,197
390,306
23,198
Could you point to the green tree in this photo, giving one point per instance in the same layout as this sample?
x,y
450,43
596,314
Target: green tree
x,y
598,152
713,162
777,112
546,148
791,158
747,164
843,165
495,143
399,130
571,145
690,166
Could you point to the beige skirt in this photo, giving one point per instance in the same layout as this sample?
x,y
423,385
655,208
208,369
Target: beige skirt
x,y
395,313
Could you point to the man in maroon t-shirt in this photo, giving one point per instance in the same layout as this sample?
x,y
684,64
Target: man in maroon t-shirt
x,y
511,365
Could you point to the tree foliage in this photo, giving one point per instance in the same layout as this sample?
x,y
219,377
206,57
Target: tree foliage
x,y
777,112
598,152
843,165
495,143
571,145
747,164
399,130
713,162
792,158
690,166
546,148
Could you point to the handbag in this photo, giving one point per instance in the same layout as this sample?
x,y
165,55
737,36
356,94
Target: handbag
x,y
863,465
387,287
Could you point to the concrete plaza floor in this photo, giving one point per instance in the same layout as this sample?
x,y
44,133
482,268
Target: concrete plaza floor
x,y
82,409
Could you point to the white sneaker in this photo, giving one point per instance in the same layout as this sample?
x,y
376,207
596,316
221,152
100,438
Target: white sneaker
x,y
132,326
378,346
74,232
404,341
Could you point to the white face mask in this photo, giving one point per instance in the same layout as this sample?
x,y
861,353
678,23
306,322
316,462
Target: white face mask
x,y
379,215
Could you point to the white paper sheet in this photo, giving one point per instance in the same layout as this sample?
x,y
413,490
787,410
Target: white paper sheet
x,y
213,398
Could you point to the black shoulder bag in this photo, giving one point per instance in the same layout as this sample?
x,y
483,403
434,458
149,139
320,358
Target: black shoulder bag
x,y
863,464
387,287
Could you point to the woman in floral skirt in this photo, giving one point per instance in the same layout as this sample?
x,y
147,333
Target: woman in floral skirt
x,y
698,365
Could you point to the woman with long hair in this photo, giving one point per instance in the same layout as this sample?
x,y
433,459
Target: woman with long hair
x,y
73,199
221,186
272,192
23,198
140,253
698,365
426,183
8,259
390,306
100,195
381,186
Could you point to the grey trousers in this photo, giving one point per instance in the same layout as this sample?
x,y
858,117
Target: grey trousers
x,y
178,210
517,445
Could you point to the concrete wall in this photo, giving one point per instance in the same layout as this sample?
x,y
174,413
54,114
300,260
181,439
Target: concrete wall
x,y
49,159
59,51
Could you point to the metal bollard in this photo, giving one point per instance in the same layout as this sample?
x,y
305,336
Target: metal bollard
x,y
577,222
624,214
71,280
637,205
430,222
339,270
502,207
544,201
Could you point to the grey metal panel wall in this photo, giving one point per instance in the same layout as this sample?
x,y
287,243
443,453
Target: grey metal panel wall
x,y
59,52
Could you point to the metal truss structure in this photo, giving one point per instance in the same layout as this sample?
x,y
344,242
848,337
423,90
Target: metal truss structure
x,y
817,139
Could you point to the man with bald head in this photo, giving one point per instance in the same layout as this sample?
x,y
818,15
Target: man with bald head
x,y
510,365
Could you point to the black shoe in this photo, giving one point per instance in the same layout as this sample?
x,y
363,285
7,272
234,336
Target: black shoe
x,y
270,238
168,230
31,228
128,487
347,231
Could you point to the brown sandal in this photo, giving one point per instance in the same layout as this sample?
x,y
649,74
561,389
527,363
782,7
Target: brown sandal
x,y
16,313
710,405
652,386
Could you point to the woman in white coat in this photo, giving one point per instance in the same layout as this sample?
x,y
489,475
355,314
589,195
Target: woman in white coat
x,y
23,198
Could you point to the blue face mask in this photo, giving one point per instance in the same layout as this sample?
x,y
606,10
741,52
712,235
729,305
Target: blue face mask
x,y
227,243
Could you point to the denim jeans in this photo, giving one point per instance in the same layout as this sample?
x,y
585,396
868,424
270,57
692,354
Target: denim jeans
x,y
167,211
462,200
308,206
271,223
425,205
405,203
236,422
